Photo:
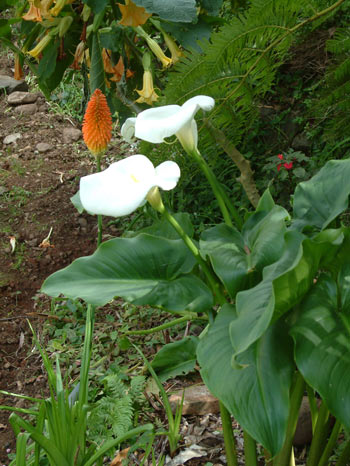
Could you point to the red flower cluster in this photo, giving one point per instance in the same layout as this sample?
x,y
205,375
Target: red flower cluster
x,y
287,166
97,125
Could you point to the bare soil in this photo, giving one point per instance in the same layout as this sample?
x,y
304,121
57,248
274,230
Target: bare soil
x,y
35,191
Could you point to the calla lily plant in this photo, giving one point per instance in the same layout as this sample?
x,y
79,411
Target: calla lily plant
x,y
273,292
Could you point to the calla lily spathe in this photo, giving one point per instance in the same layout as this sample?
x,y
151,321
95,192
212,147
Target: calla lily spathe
x,y
124,185
156,124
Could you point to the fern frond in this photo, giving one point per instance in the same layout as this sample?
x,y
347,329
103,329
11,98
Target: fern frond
x,y
237,67
335,97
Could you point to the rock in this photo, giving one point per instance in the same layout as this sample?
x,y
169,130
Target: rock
x,y
197,400
21,98
12,138
301,142
71,134
82,222
43,147
27,109
9,85
303,432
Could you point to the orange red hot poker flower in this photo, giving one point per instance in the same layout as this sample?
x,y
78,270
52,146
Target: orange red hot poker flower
x,y
97,125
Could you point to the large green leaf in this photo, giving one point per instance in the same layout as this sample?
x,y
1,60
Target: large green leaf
x,y
284,284
163,228
96,5
178,358
322,342
258,394
179,11
320,200
134,268
97,74
239,258
212,6
47,64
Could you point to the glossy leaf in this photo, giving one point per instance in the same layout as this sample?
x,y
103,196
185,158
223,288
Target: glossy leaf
x,y
163,228
322,342
97,74
212,6
179,11
178,358
258,394
96,5
284,283
134,268
320,200
239,258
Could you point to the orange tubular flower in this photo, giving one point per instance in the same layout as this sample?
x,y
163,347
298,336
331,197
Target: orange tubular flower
x,y
132,15
18,69
97,125
33,14
118,70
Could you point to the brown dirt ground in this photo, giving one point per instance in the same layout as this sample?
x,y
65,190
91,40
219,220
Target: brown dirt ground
x,y
38,187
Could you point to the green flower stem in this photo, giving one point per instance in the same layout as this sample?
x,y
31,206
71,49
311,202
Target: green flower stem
x,y
229,440
344,457
330,444
162,327
215,285
313,406
230,447
249,450
217,190
99,217
284,456
86,358
320,436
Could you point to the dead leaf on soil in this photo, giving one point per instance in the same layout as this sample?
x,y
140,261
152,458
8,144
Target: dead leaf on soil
x,y
120,457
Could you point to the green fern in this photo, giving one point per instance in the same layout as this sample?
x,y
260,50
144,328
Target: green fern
x,y
335,99
114,413
239,64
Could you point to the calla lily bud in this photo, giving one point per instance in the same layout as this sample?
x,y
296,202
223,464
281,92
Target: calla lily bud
x,y
156,124
155,199
125,185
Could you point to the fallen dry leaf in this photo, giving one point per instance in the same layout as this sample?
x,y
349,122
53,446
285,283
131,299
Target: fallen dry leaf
x,y
120,457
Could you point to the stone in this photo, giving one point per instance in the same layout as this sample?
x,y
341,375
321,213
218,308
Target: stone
x,y
301,142
9,85
21,98
197,400
12,138
43,147
82,222
26,109
71,134
303,432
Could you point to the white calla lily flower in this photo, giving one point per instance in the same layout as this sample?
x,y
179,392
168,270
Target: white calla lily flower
x,y
124,185
156,124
